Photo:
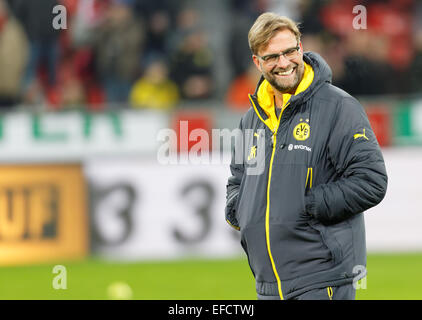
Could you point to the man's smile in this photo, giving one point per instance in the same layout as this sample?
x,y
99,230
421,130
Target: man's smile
x,y
281,73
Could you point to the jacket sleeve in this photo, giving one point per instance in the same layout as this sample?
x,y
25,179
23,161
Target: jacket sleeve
x,y
354,151
233,185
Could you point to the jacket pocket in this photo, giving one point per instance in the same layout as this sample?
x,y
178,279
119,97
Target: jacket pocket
x,y
308,185
328,237
232,206
308,182
253,241
329,240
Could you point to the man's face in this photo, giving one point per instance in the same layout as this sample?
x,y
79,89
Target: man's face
x,y
286,74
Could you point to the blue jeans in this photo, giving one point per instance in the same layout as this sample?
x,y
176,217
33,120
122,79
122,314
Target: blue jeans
x,y
42,52
117,90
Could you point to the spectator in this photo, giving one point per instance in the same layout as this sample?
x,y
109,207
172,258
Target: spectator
x,y
415,69
36,18
310,12
191,66
159,17
13,55
239,52
375,59
288,8
118,46
88,16
237,95
243,14
73,95
154,89
147,8
77,73
158,32
186,21
367,71
70,92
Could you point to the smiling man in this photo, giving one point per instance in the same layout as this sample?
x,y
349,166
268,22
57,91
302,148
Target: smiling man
x,y
284,75
301,220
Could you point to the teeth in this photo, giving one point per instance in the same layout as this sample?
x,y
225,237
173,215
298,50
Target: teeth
x,y
285,73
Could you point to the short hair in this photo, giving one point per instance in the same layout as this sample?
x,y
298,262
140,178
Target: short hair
x,y
266,26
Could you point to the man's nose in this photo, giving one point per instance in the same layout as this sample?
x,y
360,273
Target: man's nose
x,y
283,62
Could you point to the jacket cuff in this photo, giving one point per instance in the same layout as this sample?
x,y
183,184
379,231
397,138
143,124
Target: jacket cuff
x,y
310,205
231,213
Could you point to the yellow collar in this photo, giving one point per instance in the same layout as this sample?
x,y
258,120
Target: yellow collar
x,y
266,95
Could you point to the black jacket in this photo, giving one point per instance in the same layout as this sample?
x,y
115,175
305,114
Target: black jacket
x,y
300,217
37,17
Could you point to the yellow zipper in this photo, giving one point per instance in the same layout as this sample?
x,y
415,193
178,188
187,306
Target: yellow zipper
x,y
309,178
267,212
267,218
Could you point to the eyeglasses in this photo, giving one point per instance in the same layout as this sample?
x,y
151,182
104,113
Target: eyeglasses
x,y
272,59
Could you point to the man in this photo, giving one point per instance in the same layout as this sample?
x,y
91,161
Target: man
x,y
301,220
13,55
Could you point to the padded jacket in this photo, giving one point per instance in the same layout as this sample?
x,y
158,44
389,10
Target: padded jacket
x,y
301,215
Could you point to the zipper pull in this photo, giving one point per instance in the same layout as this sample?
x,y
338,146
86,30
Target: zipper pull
x,y
273,139
273,136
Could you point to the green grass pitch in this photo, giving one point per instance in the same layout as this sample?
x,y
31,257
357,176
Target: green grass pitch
x,y
390,276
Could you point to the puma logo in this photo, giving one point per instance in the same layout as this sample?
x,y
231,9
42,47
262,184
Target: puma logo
x,y
252,154
360,135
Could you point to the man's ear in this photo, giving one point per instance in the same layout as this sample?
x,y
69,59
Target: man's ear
x,y
301,48
256,62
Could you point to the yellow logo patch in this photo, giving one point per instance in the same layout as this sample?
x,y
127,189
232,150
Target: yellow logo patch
x,y
360,135
302,131
252,154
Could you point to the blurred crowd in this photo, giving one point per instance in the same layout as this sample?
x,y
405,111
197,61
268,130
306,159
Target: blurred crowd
x,y
105,54
379,55
157,54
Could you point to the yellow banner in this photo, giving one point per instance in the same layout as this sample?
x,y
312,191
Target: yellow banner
x,y
43,214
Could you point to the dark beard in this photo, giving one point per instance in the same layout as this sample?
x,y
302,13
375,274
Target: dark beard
x,y
300,69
